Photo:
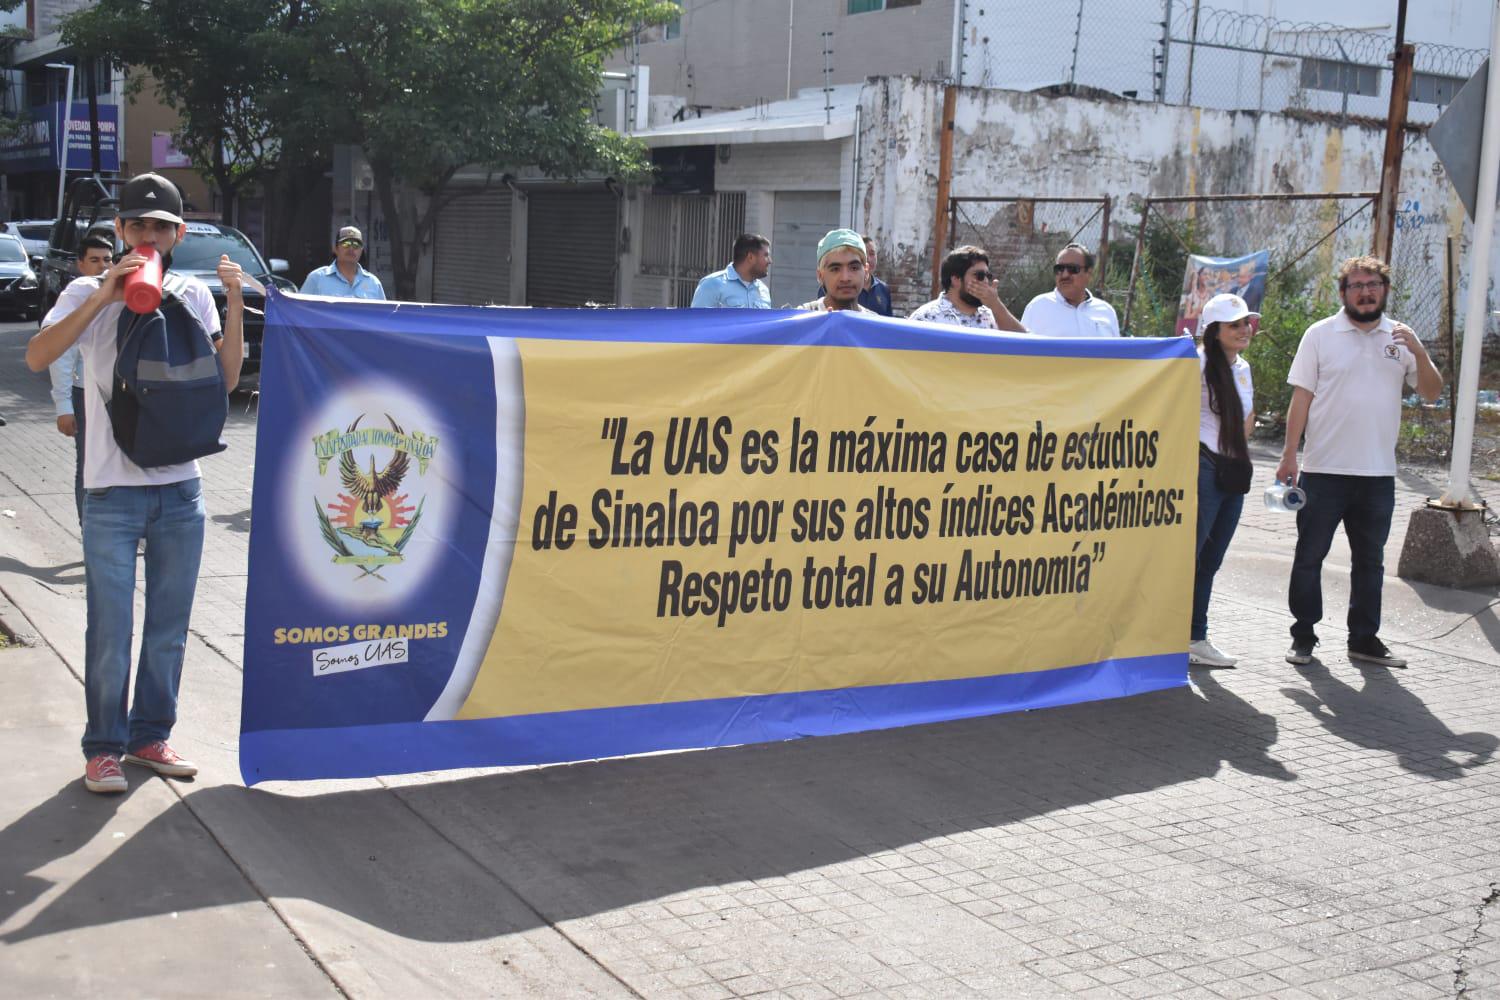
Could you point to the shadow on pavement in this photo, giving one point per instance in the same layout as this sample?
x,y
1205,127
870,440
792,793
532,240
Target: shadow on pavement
x,y
1478,603
1260,730
53,830
53,576
1383,715
557,843
238,521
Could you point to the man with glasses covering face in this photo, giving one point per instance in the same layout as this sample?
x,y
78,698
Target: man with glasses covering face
x,y
345,277
1347,381
969,297
1070,309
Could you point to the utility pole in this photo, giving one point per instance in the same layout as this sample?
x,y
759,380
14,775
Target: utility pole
x,y
945,181
1390,165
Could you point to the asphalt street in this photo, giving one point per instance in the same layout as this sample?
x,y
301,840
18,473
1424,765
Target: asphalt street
x,y
1328,831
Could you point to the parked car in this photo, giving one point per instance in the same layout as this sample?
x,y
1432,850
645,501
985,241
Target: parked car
x,y
19,292
89,202
33,234
198,254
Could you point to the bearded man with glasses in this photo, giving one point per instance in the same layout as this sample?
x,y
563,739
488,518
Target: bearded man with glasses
x,y
969,297
345,277
1070,309
1346,384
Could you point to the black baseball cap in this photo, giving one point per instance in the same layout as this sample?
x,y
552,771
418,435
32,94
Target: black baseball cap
x,y
150,196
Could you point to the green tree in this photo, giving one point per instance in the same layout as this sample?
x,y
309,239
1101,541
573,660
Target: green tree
x,y
426,88
222,67
9,36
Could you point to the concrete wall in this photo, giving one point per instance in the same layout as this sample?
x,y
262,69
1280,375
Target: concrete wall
x,y
733,52
1009,143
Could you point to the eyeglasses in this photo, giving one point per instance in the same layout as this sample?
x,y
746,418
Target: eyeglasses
x,y
1363,286
349,243
982,276
1066,268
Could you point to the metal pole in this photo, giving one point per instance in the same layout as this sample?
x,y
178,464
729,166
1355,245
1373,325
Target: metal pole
x,y
1077,34
67,120
1166,48
1104,241
1466,394
1192,53
91,81
1135,262
945,182
791,19
1450,282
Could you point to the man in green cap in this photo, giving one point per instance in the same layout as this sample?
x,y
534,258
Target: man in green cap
x,y
841,272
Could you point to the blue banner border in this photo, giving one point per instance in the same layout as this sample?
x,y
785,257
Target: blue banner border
x,y
403,748
766,327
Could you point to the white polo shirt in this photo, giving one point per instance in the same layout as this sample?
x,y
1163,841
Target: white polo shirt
x,y
1356,379
1050,315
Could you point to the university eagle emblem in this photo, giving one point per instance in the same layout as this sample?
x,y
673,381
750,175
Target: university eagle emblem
x,y
372,519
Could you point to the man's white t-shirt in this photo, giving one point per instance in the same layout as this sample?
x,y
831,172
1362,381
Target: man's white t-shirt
x,y
104,464
1050,315
1208,420
1356,379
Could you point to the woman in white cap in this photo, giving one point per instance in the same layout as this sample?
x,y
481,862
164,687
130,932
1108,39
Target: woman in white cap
x,y
1226,416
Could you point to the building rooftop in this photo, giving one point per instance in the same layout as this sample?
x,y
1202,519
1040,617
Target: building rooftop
x,y
809,117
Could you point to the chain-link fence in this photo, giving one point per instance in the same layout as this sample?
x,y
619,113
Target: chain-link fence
x,y
1022,237
1183,52
1304,237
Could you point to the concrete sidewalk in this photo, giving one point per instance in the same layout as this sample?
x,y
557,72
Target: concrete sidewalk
x,y
1270,831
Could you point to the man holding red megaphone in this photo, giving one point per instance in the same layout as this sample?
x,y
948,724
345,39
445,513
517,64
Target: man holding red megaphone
x,y
125,503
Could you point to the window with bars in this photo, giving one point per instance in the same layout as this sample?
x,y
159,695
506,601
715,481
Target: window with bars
x,y
1433,88
662,32
688,236
1341,77
865,6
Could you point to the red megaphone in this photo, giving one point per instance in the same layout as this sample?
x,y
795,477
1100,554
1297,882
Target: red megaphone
x,y
143,285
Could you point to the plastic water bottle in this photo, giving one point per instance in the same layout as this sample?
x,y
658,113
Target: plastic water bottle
x,y
143,285
1285,497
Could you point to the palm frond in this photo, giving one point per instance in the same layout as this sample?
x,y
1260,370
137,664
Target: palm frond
x,y
411,526
329,535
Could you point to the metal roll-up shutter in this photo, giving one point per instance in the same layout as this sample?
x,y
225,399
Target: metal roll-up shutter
x,y
570,247
471,249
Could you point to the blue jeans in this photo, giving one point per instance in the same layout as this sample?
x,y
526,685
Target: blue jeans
x,y
170,519
78,452
1218,516
1364,504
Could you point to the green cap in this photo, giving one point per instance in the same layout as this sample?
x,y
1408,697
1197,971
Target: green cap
x,y
839,238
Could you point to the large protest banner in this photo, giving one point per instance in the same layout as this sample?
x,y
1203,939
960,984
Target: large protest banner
x,y
499,536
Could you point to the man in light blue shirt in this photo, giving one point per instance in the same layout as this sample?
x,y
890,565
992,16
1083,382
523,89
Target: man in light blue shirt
x,y
345,277
739,286
95,253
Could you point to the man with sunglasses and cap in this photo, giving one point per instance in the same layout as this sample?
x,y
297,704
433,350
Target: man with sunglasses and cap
x,y
1070,309
125,503
969,297
345,277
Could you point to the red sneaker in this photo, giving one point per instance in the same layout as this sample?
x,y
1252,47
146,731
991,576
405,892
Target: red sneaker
x,y
102,774
163,760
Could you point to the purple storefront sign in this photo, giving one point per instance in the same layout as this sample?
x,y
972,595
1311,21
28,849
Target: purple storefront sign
x,y
165,154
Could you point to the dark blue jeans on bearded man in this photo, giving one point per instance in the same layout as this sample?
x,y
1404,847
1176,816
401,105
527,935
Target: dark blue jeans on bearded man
x,y
1363,504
